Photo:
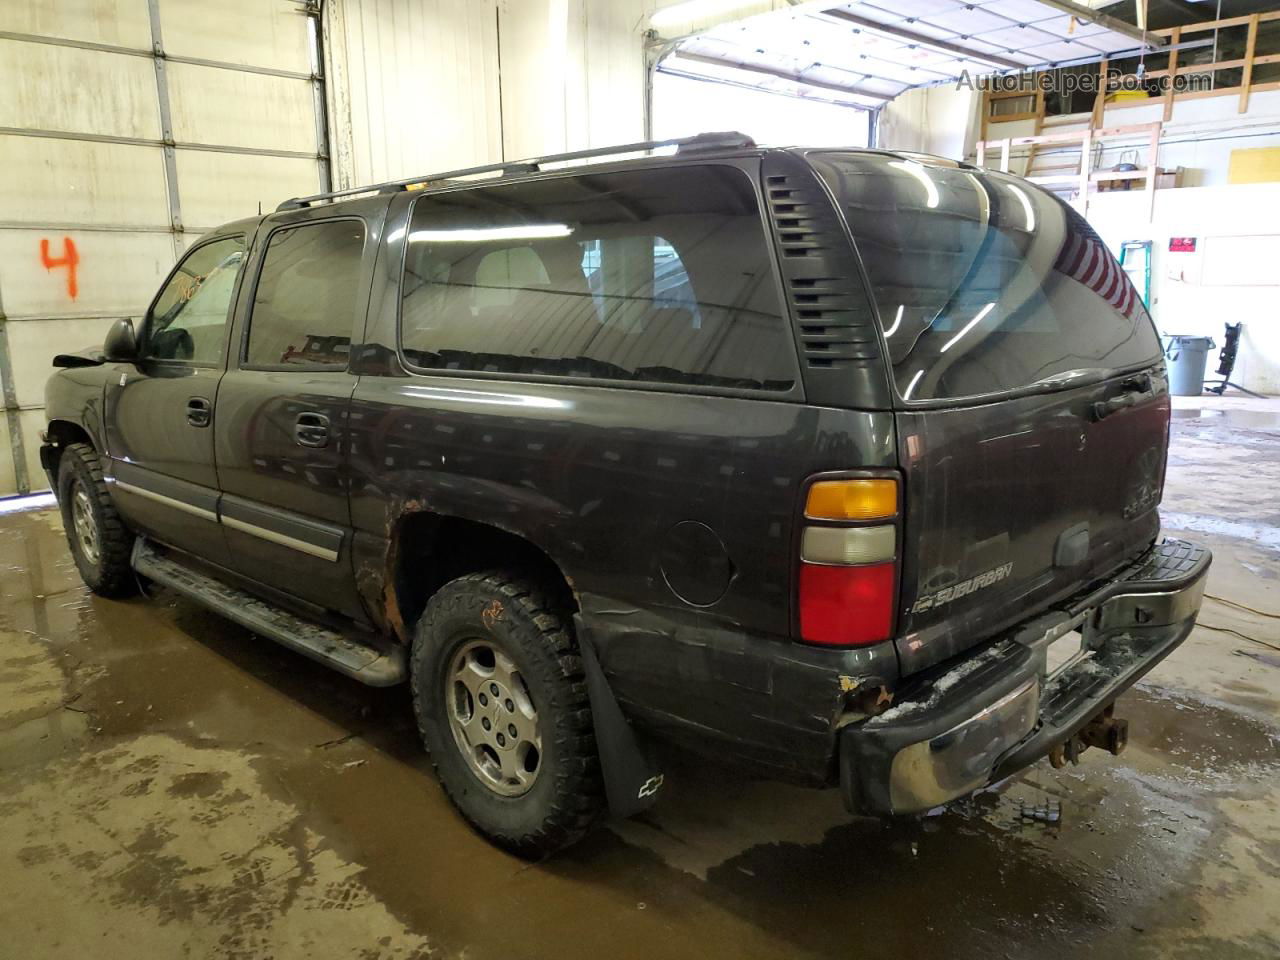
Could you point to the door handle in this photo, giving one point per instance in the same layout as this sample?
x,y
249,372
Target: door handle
x,y
311,430
198,411
1131,391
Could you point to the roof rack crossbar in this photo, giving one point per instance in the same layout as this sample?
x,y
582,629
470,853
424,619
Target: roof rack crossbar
x,y
510,168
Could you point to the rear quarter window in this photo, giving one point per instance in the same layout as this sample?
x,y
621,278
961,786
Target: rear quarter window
x,y
660,275
984,283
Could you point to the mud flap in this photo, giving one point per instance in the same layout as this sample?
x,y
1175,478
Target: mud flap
x,y
632,779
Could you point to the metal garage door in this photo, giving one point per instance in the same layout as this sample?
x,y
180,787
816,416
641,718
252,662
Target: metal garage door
x,y
127,129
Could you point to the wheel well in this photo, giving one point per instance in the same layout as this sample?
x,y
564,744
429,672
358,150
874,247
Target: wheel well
x,y
430,550
61,433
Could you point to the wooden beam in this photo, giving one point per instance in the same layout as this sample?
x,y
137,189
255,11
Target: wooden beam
x,y
1216,24
1173,76
1011,94
1204,67
1031,154
1011,117
1200,94
1086,148
1101,176
1246,81
1074,135
1100,101
1153,169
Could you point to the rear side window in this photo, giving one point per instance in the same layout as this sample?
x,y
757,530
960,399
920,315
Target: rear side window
x,y
655,275
984,282
304,307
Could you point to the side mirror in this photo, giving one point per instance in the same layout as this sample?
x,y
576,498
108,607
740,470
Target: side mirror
x,y
121,345
70,361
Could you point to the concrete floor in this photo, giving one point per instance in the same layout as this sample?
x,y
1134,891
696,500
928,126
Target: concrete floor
x,y
172,786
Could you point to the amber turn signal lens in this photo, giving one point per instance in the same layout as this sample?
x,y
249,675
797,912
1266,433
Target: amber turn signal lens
x,y
862,499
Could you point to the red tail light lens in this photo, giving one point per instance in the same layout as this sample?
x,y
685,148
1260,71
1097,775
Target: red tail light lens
x,y
845,606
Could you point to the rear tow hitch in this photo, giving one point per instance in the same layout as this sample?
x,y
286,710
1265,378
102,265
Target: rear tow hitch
x,y
1103,731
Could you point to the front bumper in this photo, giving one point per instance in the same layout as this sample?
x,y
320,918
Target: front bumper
x,y
996,711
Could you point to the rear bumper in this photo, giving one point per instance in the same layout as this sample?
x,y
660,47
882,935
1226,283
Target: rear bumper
x,y
992,713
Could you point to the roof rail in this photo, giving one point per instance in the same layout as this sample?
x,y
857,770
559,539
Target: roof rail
x,y
511,168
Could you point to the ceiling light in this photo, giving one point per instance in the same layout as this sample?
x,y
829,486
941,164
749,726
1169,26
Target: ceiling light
x,y
897,322
524,231
906,394
966,328
1027,208
918,171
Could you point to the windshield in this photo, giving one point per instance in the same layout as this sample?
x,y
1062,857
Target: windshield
x,y
984,282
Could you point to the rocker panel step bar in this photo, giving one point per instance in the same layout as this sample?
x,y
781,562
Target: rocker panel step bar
x,y
375,667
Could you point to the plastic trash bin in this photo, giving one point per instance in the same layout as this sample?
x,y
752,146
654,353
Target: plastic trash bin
x,y
1187,356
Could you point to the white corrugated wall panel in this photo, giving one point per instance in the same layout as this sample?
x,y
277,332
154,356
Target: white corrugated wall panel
x,y
413,86
572,74
119,271
240,109
248,32
428,85
50,181
35,340
48,87
121,23
218,187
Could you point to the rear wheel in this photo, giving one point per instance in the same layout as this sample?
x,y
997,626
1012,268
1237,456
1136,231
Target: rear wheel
x,y
502,706
100,542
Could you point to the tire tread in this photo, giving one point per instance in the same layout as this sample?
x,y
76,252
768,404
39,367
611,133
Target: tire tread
x,y
115,540
578,798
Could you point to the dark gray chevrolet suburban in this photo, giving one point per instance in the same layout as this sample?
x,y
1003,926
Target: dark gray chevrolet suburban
x,y
840,464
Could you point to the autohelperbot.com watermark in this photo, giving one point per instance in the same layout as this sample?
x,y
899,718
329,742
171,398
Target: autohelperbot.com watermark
x,y
1067,82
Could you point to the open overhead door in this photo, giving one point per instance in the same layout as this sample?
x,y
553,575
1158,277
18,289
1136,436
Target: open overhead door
x,y
127,129
866,53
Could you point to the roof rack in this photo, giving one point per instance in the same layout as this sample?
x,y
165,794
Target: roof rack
x,y
512,168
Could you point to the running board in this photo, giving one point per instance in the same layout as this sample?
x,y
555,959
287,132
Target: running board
x,y
377,668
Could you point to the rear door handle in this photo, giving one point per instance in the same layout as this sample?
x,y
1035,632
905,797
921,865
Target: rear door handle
x,y
198,411
311,430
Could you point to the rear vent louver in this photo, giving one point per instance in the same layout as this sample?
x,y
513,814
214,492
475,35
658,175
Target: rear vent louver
x,y
833,318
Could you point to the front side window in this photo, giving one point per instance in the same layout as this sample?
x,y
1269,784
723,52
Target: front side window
x,y
984,282
661,275
189,319
304,307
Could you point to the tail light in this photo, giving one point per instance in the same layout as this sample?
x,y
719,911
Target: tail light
x,y
849,561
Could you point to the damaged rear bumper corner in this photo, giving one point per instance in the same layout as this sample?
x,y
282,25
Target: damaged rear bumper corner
x,y
995,712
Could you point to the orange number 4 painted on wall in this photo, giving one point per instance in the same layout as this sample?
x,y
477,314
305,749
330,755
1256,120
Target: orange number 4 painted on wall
x,y
69,259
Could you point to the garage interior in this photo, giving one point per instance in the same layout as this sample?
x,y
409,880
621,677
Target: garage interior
x,y
172,785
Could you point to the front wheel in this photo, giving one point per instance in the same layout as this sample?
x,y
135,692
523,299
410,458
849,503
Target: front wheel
x,y
502,706
100,542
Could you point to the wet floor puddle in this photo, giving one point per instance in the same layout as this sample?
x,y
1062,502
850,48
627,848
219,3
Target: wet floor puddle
x,y
1239,419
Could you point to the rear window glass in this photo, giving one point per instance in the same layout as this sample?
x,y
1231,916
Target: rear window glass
x,y
984,282
658,275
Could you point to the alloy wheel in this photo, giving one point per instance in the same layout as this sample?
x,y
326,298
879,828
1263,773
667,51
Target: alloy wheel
x,y
493,719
